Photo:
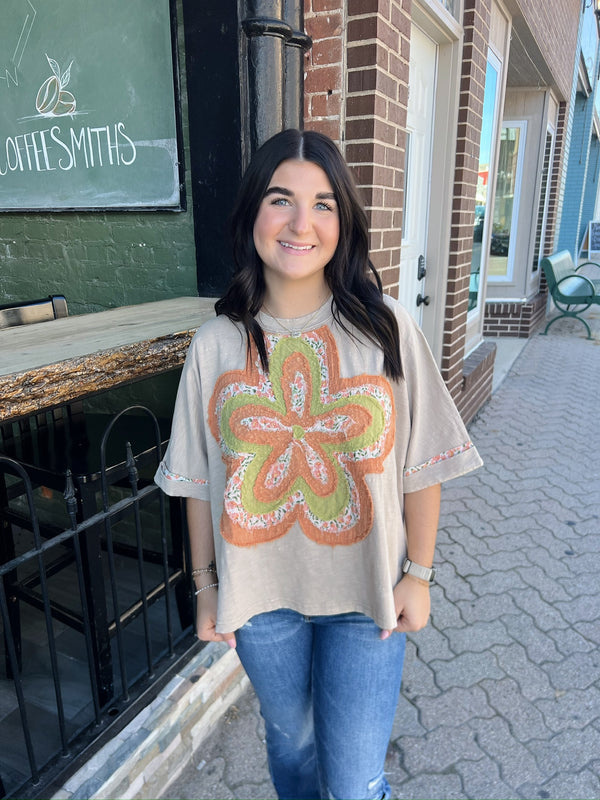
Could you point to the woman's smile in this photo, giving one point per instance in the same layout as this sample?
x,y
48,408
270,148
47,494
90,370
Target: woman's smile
x,y
299,248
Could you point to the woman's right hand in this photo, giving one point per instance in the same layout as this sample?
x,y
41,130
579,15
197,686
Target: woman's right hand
x,y
206,619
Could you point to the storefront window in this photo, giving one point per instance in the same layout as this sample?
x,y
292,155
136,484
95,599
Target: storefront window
x,y
506,201
481,199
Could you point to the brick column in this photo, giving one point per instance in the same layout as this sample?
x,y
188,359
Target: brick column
x,y
378,38
476,32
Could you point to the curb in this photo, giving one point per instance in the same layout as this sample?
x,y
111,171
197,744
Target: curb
x,y
155,747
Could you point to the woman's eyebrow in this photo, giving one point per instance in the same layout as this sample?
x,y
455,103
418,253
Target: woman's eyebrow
x,y
278,190
287,193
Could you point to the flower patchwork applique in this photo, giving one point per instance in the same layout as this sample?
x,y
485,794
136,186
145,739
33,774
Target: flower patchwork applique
x,y
298,442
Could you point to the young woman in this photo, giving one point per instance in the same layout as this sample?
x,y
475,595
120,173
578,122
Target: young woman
x,y
311,433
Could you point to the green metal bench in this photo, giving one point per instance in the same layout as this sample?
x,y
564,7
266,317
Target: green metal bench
x,y
572,293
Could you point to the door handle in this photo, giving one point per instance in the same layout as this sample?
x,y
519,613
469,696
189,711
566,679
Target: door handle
x,y
422,300
421,268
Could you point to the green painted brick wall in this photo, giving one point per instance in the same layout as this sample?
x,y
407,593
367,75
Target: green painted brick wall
x,y
101,260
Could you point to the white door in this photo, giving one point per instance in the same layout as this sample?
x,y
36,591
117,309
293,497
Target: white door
x,y
421,86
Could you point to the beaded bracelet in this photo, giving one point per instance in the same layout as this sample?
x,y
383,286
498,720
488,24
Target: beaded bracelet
x,y
209,586
203,570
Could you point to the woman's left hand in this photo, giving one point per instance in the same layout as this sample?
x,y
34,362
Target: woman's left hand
x,y
413,605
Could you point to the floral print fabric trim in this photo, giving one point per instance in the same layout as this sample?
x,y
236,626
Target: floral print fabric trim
x,y
455,451
173,476
298,442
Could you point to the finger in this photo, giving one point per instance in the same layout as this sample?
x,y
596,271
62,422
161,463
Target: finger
x,y
229,638
385,634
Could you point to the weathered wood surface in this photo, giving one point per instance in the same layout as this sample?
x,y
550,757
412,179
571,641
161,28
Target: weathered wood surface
x,y
51,363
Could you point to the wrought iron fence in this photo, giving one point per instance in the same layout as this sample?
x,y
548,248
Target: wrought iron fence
x,y
94,608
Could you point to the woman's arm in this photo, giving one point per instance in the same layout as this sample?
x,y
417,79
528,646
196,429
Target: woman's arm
x,y
411,595
202,550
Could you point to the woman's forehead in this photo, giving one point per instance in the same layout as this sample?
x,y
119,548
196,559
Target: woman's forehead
x,y
302,173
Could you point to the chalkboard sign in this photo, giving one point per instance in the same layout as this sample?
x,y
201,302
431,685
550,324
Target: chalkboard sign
x,y
88,114
594,239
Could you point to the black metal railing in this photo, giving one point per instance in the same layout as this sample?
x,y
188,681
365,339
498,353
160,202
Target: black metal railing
x,y
93,608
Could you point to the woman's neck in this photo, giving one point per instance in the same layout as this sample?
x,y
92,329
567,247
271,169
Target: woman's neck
x,y
295,303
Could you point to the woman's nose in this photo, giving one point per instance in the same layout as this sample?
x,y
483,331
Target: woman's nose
x,y
300,222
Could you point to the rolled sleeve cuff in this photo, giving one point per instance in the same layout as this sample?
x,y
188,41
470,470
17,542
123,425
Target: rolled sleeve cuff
x,y
442,467
177,485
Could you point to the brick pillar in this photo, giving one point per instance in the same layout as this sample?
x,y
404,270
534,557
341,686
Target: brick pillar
x,y
378,44
476,32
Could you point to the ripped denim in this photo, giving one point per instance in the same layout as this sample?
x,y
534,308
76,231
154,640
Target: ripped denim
x,y
328,689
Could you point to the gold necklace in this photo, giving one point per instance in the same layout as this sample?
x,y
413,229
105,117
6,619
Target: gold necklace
x,y
295,333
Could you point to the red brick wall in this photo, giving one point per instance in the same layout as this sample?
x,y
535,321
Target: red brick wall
x,y
324,21
514,319
478,373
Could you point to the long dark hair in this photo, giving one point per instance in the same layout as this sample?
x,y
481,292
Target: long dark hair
x,y
352,279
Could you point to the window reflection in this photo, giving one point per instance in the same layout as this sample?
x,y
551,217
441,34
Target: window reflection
x,y
506,201
481,198
451,6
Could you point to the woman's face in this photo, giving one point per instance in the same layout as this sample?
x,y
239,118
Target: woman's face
x,y
297,227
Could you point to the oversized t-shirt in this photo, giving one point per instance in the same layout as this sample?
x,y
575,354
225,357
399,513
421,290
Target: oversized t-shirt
x,y
306,466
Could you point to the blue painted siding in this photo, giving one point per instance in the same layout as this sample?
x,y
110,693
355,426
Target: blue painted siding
x,y
581,174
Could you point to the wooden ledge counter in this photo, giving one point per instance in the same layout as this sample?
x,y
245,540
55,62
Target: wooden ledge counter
x,y
50,363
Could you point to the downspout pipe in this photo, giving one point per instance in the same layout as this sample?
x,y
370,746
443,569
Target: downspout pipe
x,y
274,45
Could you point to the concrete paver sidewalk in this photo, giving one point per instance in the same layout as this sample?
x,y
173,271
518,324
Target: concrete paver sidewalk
x,y
501,693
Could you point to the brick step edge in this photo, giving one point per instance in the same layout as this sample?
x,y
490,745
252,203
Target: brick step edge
x,y
152,751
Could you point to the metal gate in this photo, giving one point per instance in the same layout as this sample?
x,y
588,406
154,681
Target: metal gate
x,y
94,611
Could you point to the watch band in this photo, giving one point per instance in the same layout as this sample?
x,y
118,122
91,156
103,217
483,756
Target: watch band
x,y
416,570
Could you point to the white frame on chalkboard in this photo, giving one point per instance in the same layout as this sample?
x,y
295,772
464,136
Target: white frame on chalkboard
x,y
593,239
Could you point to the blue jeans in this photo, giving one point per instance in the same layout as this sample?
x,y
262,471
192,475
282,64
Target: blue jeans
x,y
328,689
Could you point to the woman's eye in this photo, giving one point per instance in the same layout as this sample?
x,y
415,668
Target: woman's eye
x,y
280,201
323,206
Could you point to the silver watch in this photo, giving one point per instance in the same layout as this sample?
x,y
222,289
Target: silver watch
x,y
424,573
